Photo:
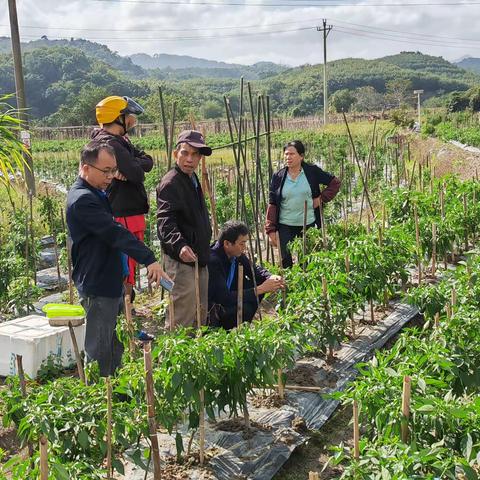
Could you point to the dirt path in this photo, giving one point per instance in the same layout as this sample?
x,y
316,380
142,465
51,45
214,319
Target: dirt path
x,y
447,158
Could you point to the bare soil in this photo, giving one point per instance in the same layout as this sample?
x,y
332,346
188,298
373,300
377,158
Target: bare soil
x,y
447,158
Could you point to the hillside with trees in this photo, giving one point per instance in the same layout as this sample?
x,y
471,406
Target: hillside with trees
x,y
63,83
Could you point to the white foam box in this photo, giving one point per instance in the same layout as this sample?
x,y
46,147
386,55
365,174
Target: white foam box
x,y
34,339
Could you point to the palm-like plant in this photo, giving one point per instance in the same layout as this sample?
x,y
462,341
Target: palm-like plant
x,y
12,150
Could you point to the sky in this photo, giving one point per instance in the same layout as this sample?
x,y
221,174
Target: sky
x,y
249,31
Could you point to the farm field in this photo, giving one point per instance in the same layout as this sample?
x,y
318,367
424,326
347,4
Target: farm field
x,y
389,236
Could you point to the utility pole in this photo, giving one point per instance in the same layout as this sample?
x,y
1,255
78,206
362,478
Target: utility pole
x,y
326,30
20,92
418,93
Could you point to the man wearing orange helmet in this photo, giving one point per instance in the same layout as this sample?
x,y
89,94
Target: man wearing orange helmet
x,y
126,194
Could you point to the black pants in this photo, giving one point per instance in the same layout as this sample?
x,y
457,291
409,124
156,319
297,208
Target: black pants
x,y
101,342
226,317
287,233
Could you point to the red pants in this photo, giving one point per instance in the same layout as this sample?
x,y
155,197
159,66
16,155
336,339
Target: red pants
x,y
136,225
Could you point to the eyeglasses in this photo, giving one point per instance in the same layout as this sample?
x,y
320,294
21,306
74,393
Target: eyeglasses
x,y
108,173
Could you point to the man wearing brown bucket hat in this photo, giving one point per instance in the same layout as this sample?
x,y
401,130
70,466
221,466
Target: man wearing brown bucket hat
x,y
184,230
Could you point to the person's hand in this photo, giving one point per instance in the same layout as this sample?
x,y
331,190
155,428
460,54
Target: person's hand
x,y
317,202
187,254
155,273
273,238
271,284
279,279
120,176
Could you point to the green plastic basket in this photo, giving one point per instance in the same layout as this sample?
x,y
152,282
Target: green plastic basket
x,y
54,310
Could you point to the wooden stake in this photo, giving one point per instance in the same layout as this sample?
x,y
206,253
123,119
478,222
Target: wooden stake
x,y
240,295
43,458
129,323
150,397
405,408
171,313
356,432
323,226
304,261
109,428
23,389
434,249
417,238
202,391
437,319
327,313
347,271
313,476
465,213
78,358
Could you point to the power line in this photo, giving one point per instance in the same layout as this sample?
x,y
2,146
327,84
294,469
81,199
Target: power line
x,y
232,3
415,41
125,30
444,37
188,38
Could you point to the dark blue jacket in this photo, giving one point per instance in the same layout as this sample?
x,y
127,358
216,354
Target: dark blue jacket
x,y
98,242
218,269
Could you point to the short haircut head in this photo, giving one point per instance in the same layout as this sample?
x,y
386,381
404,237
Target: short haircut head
x,y
91,151
297,145
232,230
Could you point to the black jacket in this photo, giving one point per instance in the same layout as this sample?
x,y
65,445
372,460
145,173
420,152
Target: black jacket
x,y
182,216
315,176
129,197
97,243
218,270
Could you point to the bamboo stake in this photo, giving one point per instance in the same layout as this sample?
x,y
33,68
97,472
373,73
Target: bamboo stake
x,y
78,358
32,236
165,126
129,322
327,312
465,213
281,391
313,476
437,319
405,408
356,432
434,249
304,234
109,428
150,397
202,391
171,313
170,139
323,226
240,295
23,389
347,271
43,458
417,239
367,196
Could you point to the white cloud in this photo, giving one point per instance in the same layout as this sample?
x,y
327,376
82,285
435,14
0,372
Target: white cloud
x,y
149,24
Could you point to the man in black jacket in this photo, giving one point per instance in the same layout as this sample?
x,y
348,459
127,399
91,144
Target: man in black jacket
x,y
184,229
128,198
225,257
98,243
